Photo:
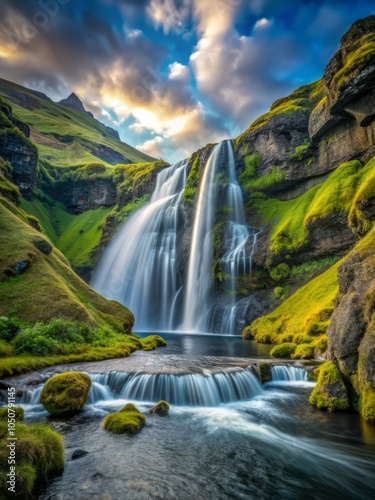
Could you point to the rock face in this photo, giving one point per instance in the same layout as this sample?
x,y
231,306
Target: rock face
x,y
111,131
73,101
351,334
16,148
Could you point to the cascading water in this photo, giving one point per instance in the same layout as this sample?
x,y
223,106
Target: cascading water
x,y
289,374
190,389
139,267
198,290
237,259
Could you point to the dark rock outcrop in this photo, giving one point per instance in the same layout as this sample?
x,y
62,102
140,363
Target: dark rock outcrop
x,y
73,101
16,148
111,131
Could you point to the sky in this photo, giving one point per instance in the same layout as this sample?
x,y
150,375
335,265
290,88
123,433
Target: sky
x,y
172,75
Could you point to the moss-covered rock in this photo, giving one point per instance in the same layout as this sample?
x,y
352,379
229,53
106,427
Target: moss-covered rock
x,y
129,420
285,350
39,455
304,351
265,373
65,394
16,413
162,408
151,342
330,392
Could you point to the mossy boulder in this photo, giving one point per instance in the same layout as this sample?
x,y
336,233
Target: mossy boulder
x,y
285,350
39,455
162,408
304,351
151,342
265,372
330,392
65,394
17,413
129,420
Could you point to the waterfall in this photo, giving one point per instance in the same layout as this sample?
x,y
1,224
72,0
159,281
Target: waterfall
x,y
237,259
198,291
289,374
138,268
190,389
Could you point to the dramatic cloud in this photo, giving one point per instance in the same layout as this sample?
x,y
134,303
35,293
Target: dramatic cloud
x,y
171,75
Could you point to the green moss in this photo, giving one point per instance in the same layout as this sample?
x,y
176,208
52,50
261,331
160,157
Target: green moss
x,y
279,292
162,408
285,350
330,391
271,178
366,404
251,163
295,314
357,56
66,393
192,182
304,351
39,455
302,101
281,272
16,413
128,420
337,193
151,342
300,151
265,372
48,288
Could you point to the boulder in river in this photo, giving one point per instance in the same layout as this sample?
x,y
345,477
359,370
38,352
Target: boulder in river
x,y
65,394
129,420
162,408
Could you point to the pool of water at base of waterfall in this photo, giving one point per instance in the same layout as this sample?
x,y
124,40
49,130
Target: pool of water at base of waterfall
x,y
195,344
272,446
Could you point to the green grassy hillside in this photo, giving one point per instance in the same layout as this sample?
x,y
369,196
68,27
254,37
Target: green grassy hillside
x,y
37,285
64,136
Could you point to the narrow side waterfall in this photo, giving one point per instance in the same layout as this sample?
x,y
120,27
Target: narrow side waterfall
x,y
138,268
237,259
198,290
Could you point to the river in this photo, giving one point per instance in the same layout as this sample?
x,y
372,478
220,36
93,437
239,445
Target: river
x,y
226,436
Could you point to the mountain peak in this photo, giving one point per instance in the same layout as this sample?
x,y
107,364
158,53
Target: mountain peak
x,y
73,101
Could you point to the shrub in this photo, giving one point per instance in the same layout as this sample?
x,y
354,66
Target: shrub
x,y
281,272
66,393
8,328
285,350
129,420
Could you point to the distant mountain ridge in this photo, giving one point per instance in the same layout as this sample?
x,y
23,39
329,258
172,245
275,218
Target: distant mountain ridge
x,y
65,133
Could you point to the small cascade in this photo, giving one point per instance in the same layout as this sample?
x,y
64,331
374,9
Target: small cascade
x,y
289,374
30,396
191,389
138,268
99,392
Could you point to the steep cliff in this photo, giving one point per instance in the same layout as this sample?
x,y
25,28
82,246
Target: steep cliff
x,y
315,204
